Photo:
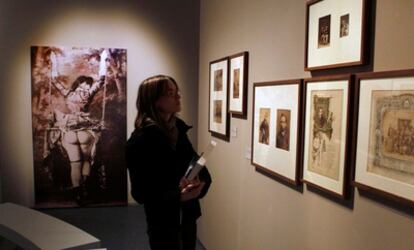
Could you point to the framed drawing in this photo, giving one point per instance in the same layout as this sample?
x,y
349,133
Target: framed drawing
x,y
325,162
239,69
385,144
276,129
335,33
219,122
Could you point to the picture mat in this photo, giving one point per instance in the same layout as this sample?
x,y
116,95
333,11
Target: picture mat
x,y
381,182
341,49
320,180
236,104
218,95
277,160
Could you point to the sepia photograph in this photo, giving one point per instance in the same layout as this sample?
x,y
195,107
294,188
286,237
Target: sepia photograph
x,y
218,80
264,129
218,121
325,133
336,33
384,152
79,126
324,34
218,117
277,129
236,83
326,141
344,26
283,129
391,135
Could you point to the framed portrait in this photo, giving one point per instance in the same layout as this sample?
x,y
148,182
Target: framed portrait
x,y
276,129
219,122
385,136
325,161
335,33
238,85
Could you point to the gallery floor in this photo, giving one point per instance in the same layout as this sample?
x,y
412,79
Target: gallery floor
x,y
117,227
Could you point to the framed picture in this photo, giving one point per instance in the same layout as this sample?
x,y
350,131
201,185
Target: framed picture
x,y
385,144
325,162
276,129
238,84
335,33
219,122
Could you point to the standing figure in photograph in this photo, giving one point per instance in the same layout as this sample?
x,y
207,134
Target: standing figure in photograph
x,y
158,154
72,125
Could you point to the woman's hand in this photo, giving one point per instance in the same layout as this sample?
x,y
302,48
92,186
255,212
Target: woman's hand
x,y
190,189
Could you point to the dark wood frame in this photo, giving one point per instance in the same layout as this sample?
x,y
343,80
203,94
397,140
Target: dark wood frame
x,y
299,138
364,40
234,113
362,186
348,137
226,136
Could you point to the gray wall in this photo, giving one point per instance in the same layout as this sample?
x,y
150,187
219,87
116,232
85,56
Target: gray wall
x,y
247,210
160,37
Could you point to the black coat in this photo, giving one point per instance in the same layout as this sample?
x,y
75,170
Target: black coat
x,y
156,168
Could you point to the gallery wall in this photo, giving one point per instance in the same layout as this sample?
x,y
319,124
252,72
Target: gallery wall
x,y
248,210
161,37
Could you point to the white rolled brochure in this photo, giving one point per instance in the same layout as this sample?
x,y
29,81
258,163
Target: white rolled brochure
x,y
199,162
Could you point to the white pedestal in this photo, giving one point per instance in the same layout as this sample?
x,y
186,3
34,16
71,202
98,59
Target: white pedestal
x,y
31,229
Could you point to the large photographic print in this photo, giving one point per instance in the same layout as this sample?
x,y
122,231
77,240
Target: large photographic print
x,y
277,117
219,122
325,163
336,33
79,126
385,155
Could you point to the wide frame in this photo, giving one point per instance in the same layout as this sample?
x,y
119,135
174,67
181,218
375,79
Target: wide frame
x,y
219,118
281,156
379,168
327,121
335,34
239,70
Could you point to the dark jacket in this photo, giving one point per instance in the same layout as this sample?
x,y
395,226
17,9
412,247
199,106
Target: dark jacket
x,y
156,168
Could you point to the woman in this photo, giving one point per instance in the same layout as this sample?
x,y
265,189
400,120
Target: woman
x,y
158,154
77,131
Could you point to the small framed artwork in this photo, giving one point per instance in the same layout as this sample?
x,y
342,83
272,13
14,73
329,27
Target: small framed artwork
x,y
219,122
276,132
335,33
239,69
385,136
326,135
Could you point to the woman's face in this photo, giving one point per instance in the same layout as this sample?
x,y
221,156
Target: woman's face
x,y
169,102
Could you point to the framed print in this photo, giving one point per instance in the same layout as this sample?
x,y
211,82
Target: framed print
x,y
325,162
238,84
335,33
219,122
385,144
79,126
276,129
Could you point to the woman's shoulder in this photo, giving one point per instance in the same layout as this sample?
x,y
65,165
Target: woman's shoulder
x,y
144,135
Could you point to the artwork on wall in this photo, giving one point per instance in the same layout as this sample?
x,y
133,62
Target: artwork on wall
x,y
276,127
335,33
385,135
325,162
219,122
79,126
238,85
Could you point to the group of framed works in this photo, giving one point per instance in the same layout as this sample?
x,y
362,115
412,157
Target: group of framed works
x,y
337,128
227,93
